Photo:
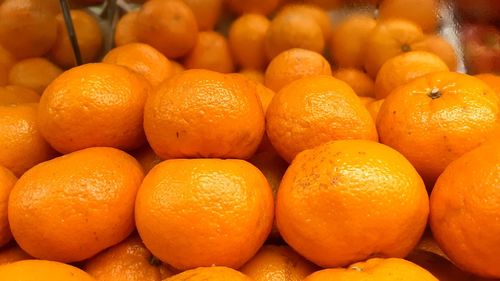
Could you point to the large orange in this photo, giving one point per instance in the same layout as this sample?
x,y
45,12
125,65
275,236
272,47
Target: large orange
x,y
74,206
7,181
254,75
211,52
213,273
15,94
321,16
264,94
126,29
438,45
358,212
206,12
253,6
360,82
202,212
94,105
12,253
33,73
436,118
41,270
314,110
201,113
7,60
493,80
465,211
425,13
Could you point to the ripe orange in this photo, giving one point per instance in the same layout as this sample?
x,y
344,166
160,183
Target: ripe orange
x,y
22,144
425,13
211,52
493,80
143,59
391,269
325,4
374,108
14,94
264,94
176,67
13,253
33,73
315,110
348,40
360,82
99,96
277,263
7,181
213,273
442,48
206,12
187,218
264,7
168,26
254,75
7,60
405,67
319,15
146,157
127,261
366,100
436,118
126,29
246,39
376,215
72,207
40,270
292,65
465,208
438,266
201,113
89,36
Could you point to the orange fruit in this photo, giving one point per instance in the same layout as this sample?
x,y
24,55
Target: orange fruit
x,y
438,266
325,4
211,52
213,273
176,67
348,39
425,13
201,113
374,108
436,118
246,38
264,94
25,29
82,99
264,7
126,29
22,144
7,181
254,75
315,110
351,174
89,36
127,261
360,82
293,30
442,48
33,73
319,15
375,269
366,100
187,218
388,39
84,204
7,60
143,59
277,263
146,157
40,270
15,94
206,12
292,65
13,253
493,80
405,67
465,208
168,26
429,244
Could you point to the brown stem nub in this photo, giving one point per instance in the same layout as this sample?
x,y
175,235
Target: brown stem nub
x,y
434,93
405,48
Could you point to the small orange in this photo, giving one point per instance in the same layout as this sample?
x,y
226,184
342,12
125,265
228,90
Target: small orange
x,y
325,4
33,73
7,181
213,273
366,100
277,263
319,15
211,52
246,38
376,269
15,94
435,119
40,270
438,266
13,253
146,157
348,40
465,207
126,29
103,97
315,110
168,26
72,207
442,48
143,59
127,261
293,30
176,67
7,60
405,67
292,65
22,144
374,108
425,13
254,75
187,218
493,80
89,36
201,113
265,94
206,12
360,82
263,7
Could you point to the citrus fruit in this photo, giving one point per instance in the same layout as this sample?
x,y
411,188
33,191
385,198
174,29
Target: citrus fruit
x,y
15,94
41,270
211,52
254,75
12,253
146,157
213,273
7,60
206,12
493,80
425,13
319,15
126,29
442,48
264,7
33,73
360,82
176,67
438,266
7,181
374,108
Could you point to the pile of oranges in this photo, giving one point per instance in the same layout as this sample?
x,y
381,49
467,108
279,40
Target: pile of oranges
x,y
245,140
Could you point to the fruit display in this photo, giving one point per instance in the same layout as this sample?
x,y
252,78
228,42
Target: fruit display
x,y
264,140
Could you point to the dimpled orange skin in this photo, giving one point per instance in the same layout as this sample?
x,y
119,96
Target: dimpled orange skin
x,y
265,94
41,270
292,65
10,254
126,29
143,59
319,15
465,208
211,52
213,273
493,80
34,73
180,117
100,96
7,60
432,132
315,110
14,94
263,7
246,39
7,181
127,261
206,12
425,13
203,212
360,82
22,143
359,211
376,269
74,206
